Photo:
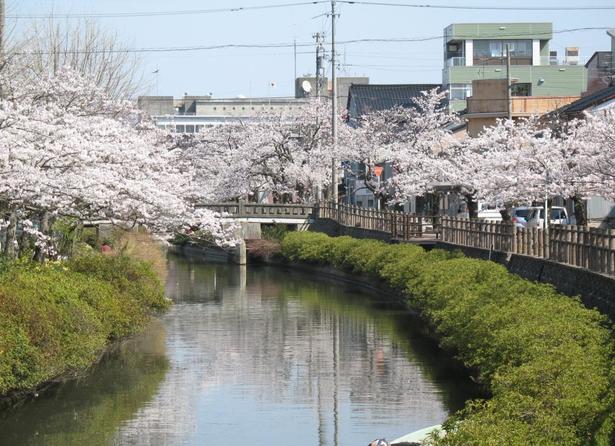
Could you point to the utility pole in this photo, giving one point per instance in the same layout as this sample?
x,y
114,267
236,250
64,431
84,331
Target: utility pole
x,y
2,25
320,67
295,57
334,196
508,84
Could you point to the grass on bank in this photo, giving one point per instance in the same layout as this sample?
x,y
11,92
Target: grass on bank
x,y
546,360
57,318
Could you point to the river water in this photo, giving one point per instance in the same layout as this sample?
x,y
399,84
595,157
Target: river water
x,y
253,356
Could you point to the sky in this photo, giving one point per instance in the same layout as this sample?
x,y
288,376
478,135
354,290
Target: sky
x,y
231,72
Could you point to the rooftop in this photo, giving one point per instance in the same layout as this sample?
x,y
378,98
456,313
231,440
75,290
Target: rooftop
x,y
583,104
364,99
496,31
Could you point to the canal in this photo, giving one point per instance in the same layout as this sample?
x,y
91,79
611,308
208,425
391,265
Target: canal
x,y
256,356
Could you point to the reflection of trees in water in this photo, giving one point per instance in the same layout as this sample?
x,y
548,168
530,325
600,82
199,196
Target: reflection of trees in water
x,y
283,338
89,411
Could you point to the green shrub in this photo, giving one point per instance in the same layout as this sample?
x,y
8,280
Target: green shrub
x,y
546,360
56,318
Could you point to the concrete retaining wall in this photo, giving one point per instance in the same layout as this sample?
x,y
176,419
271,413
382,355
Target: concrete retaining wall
x,y
333,229
595,290
203,254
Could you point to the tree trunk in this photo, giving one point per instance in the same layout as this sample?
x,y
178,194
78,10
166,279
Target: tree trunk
x,y
580,211
472,204
10,249
39,253
507,213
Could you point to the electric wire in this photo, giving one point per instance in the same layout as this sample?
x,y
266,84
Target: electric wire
x,y
484,8
307,3
301,44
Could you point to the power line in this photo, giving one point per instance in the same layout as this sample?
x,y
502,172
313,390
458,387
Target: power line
x,y
164,13
291,44
298,4
490,8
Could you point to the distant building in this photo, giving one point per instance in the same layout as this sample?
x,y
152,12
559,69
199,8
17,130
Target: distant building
x,y
191,113
364,99
475,51
599,71
343,86
601,68
489,103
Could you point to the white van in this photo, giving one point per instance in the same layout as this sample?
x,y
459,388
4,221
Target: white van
x,y
536,217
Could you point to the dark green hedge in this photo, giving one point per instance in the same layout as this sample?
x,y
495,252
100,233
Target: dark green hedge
x,y
546,360
56,318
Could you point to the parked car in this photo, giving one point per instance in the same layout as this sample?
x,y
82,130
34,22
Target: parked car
x,y
490,215
519,216
536,217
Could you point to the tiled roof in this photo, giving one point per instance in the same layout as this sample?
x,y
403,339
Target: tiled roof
x,y
363,99
583,104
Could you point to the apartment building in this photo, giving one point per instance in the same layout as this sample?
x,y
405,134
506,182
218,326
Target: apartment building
x,y
475,51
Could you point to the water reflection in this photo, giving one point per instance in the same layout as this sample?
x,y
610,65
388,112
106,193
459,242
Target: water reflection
x,y
89,411
256,356
264,356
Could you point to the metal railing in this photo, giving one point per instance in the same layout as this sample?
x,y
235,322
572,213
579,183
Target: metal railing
x,y
260,210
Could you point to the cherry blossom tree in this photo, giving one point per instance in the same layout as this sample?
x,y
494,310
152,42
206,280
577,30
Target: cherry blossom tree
x,y
67,149
286,154
412,139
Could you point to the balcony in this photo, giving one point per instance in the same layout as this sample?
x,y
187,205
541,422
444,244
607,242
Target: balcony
x,y
456,62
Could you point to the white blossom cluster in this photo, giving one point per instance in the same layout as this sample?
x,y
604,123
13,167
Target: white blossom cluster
x,y
67,149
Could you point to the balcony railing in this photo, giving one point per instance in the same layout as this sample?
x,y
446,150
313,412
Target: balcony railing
x,y
456,62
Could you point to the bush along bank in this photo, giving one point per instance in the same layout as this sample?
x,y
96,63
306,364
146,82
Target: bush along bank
x,y
57,318
545,359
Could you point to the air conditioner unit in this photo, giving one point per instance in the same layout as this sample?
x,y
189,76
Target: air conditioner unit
x,y
572,56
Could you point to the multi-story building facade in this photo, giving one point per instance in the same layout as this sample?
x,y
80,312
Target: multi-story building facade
x,y
191,113
474,51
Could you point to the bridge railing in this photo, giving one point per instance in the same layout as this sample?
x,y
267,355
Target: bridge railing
x,y
260,210
589,248
398,225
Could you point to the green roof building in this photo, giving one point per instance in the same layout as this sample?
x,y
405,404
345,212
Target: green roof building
x,y
474,51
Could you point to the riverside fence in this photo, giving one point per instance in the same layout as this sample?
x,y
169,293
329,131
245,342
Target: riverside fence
x,y
398,225
589,248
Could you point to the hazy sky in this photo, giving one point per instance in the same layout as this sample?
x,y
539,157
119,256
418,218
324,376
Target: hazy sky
x,y
249,72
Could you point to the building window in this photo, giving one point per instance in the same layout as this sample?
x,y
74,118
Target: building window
x,y
521,89
460,92
199,128
493,52
189,129
180,128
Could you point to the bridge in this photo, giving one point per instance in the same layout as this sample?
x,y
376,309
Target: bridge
x,y
297,214
384,224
